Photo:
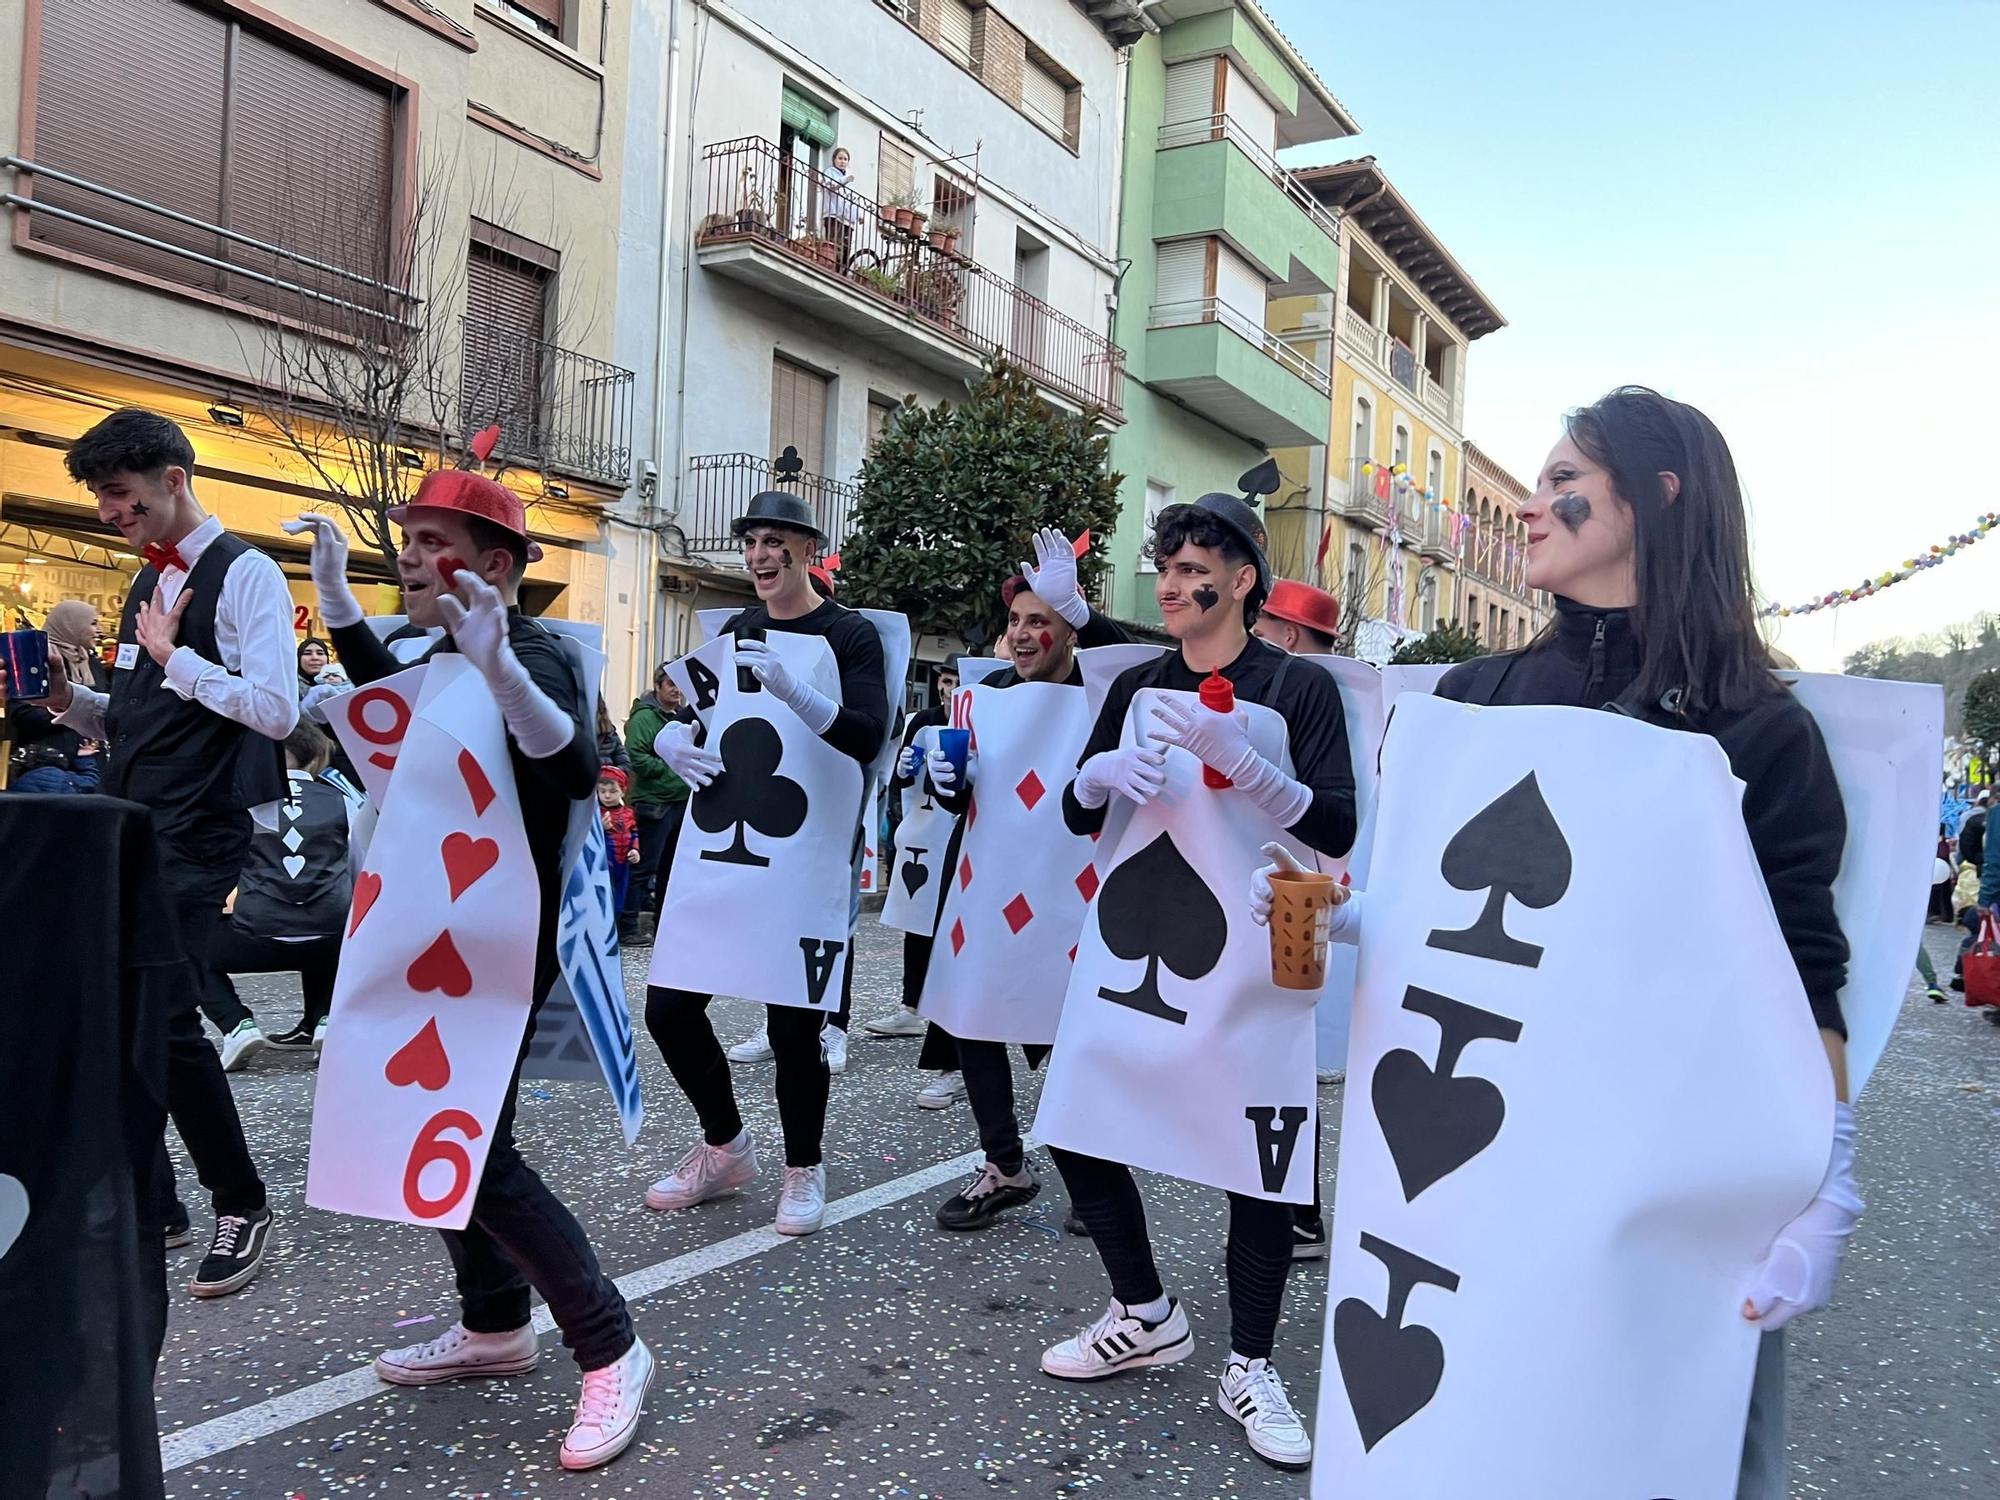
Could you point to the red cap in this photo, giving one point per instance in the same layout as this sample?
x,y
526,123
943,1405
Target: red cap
x,y
469,494
612,773
1302,604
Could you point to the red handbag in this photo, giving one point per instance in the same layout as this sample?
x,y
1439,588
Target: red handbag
x,y
1982,964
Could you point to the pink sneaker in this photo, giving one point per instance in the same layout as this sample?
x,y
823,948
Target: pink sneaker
x,y
607,1413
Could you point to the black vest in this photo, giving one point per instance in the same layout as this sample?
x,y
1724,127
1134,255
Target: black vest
x,y
168,752
295,880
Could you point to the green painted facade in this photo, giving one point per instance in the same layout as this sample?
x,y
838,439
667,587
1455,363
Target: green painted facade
x,y
1213,188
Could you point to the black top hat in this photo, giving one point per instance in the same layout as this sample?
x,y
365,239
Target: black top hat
x,y
779,507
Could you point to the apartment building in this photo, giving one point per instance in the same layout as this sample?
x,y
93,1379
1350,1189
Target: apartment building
x,y
191,188
1494,600
1215,235
860,203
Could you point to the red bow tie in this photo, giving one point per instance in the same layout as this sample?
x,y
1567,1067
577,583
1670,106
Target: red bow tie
x,y
162,558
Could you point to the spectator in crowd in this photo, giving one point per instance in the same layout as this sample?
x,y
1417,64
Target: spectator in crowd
x,y
46,756
621,829
659,802
610,747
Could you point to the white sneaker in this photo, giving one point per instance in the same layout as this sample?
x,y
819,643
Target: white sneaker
x,y
1121,1341
833,1046
1254,1395
319,1037
607,1413
242,1044
802,1205
901,1022
1331,1075
457,1355
941,1092
755,1047
706,1172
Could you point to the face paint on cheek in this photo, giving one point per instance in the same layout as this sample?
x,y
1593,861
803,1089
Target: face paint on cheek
x,y
1571,509
140,508
1207,597
787,557
1048,641
446,567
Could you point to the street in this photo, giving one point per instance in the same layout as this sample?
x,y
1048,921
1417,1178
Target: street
x,y
885,1357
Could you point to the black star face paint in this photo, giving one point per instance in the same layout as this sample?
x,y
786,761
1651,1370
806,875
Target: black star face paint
x,y
1207,597
140,508
1571,509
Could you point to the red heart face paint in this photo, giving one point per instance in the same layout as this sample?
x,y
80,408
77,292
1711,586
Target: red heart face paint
x,y
446,567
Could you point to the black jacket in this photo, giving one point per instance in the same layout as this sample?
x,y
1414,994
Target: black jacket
x,y
1972,838
1791,801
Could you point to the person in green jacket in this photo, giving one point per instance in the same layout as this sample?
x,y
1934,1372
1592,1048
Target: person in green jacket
x,y
659,798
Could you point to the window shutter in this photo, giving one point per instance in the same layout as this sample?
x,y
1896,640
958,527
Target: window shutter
x,y
895,171
1183,265
548,13
955,29
807,118
798,413
1190,91
506,312
1043,95
1240,287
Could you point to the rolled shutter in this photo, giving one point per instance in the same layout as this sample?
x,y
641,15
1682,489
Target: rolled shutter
x,y
895,172
955,29
1190,91
506,311
1043,95
549,13
1183,267
807,118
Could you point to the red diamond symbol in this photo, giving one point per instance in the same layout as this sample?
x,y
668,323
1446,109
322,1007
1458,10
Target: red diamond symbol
x,y
972,812
957,937
1072,955
1017,912
1030,790
964,873
1087,881
1095,834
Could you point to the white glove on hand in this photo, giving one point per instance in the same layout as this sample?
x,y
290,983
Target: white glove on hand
x,y
675,745
1804,1260
802,698
908,760
477,619
1052,577
328,564
944,777
1343,921
1135,772
1222,741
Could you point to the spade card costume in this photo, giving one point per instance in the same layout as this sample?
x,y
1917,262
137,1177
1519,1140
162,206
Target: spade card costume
x,y
910,902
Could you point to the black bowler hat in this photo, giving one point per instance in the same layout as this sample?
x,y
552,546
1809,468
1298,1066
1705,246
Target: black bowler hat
x,y
1238,514
776,508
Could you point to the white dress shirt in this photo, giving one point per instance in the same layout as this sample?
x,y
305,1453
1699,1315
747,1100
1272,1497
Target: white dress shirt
x,y
256,682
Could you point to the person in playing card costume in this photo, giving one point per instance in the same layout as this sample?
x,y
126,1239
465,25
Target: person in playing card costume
x,y
465,550
1138,1069
779,537
203,694
1637,526
999,974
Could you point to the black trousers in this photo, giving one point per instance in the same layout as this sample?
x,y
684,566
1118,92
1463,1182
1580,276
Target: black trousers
x,y
199,862
659,831
520,1236
916,962
988,1073
678,1020
1260,1247
316,961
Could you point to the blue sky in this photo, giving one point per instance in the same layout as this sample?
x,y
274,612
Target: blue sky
x,y
1785,213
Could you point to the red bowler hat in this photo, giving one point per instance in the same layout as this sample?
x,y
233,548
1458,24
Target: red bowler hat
x,y
1302,604
469,494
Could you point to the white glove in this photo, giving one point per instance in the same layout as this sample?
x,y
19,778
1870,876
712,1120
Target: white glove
x,y
675,745
312,703
943,775
1222,741
477,619
1135,772
1052,577
1803,1263
1343,921
328,564
907,762
802,698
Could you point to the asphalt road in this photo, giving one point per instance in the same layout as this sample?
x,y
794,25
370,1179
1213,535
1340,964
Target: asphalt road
x,y
884,1357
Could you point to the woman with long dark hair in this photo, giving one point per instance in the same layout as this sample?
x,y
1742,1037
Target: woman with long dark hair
x,y
1637,526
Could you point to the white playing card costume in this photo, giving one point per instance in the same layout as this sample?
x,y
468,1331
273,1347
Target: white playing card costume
x,y
1577,1111
911,902
436,971
758,899
1015,898
1225,1094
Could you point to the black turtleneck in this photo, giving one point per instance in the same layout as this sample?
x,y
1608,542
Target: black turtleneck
x,y
1791,801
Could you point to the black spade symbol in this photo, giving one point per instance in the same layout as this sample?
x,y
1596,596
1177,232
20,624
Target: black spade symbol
x,y
914,873
1390,1372
1510,847
1155,907
749,793
1433,1122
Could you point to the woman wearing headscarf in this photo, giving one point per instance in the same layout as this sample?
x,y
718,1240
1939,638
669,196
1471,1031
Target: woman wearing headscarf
x,y
46,756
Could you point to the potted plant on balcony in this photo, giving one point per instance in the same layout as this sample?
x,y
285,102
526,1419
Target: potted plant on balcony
x,y
878,280
899,212
945,237
750,211
936,291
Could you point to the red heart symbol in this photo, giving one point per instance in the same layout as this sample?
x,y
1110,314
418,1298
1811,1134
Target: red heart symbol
x,y
466,859
367,886
439,967
475,782
421,1060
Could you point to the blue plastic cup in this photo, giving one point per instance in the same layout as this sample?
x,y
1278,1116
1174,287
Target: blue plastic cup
x,y
955,745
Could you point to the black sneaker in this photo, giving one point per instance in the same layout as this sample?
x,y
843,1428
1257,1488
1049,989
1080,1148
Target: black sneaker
x,y
987,1196
1309,1237
235,1255
298,1039
177,1236
1074,1225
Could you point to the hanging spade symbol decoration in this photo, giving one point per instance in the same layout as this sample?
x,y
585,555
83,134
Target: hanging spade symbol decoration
x,y
1511,847
1155,907
749,793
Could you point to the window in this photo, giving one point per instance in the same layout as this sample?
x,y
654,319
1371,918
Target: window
x,y
1357,578
230,126
1241,293
1402,455
1182,282
508,303
1045,95
881,412
1364,429
1158,497
951,207
1434,477
546,16
798,412
1427,601
895,171
955,29
805,142
1191,99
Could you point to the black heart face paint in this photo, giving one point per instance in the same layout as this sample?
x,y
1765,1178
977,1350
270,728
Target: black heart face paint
x,y
1207,597
1571,509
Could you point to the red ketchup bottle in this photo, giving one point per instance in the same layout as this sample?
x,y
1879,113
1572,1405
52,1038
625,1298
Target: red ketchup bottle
x,y
1218,693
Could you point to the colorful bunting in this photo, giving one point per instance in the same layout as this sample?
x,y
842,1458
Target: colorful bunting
x,y
1910,568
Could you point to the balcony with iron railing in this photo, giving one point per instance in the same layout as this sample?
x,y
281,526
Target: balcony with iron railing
x,y
1371,495
1219,361
719,487
1396,359
557,409
1222,127
799,235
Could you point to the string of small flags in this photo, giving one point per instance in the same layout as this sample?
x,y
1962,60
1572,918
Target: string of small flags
x,y
1910,568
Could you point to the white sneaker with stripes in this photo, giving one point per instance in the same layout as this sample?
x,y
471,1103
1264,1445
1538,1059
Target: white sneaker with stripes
x,y
1253,1394
1120,1341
